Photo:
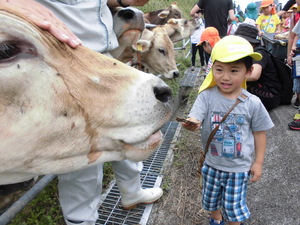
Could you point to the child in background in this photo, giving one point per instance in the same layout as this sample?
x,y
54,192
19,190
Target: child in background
x,y
268,21
195,37
208,39
238,148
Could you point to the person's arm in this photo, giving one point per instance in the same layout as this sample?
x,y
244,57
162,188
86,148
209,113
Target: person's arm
x,y
286,7
260,143
292,37
294,45
45,19
231,14
278,29
194,11
256,72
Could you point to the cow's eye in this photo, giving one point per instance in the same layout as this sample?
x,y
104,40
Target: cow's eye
x,y
162,51
8,50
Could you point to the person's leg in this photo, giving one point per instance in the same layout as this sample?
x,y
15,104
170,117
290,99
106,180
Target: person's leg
x,y
234,198
79,195
212,194
201,55
127,174
296,89
207,56
193,57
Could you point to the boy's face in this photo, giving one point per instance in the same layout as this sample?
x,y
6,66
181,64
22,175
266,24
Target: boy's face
x,y
207,47
267,10
229,77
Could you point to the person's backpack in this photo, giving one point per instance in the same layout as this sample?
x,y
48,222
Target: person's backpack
x,y
284,74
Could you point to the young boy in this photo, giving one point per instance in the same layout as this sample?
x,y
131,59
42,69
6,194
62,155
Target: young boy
x,y
238,148
268,22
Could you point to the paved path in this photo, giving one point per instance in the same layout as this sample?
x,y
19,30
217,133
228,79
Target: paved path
x,y
275,199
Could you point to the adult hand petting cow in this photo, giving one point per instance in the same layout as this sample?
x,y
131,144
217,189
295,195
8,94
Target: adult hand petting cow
x,y
45,19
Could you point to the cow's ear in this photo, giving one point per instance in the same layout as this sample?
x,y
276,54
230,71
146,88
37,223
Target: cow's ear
x,y
164,14
142,46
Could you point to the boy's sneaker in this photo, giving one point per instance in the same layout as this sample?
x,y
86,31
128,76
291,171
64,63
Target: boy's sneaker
x,y
297,103
192,68
216,222
295,125
297,116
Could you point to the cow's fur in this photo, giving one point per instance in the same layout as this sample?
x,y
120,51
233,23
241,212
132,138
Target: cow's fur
x,y
63,109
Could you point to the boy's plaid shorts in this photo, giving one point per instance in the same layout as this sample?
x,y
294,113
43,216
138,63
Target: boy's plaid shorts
x,y
227,190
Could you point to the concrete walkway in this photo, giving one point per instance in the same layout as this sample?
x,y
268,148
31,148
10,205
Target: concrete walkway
x,y
275,199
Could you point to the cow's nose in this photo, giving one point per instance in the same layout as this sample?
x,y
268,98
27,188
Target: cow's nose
x,y
126,14
162,93
176,74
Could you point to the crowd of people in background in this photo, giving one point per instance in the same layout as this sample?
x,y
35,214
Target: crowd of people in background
x,y
264,19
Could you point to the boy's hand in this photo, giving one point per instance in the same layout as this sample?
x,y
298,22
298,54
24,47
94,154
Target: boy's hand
x,y
256,171
190,123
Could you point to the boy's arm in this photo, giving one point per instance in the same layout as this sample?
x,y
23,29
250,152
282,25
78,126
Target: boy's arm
x,y
278,29
260,142
258,28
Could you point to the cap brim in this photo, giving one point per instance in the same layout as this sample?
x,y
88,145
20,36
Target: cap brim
x,y
200,43
251,40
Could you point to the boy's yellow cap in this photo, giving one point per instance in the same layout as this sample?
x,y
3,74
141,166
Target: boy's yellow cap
x,y
229,49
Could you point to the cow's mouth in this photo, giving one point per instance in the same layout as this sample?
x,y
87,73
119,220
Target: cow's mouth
x,y
149,143
142,150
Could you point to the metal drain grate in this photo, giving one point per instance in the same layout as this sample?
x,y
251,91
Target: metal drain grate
x,y
189,78
111,211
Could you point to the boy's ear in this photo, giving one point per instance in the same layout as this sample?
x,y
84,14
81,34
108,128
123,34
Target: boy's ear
x,y
249,71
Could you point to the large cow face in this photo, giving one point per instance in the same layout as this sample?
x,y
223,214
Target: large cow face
x,y
63,109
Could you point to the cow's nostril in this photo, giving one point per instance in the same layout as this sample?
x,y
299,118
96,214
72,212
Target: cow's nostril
x,y
126,14
176,74
162,93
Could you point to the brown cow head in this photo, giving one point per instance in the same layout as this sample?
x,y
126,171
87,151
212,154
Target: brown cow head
x,y
162,16
63,109
179,29
157,52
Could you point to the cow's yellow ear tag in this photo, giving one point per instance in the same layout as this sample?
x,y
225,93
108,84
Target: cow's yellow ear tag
x,y
139,47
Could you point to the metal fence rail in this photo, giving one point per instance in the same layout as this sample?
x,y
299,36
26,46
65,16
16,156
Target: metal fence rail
x,y
16,207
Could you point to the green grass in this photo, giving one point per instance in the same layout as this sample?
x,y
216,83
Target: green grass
x,y
45,208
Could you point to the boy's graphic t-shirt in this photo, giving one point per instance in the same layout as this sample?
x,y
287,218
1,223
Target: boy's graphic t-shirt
x,y
232,148
268,23
228,140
